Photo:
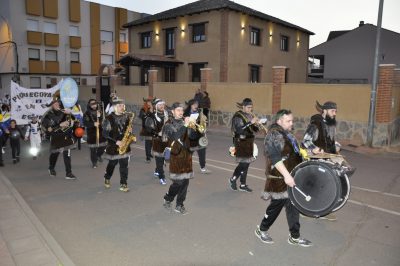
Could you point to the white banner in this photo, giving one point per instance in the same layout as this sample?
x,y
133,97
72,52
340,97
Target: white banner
x,y
27,102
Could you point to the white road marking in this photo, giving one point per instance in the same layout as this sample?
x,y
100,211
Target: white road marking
x,y
263,178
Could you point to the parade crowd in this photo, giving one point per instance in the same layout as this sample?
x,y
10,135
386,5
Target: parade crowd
x,y
171,134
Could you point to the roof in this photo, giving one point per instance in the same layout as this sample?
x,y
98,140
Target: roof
x,y
209,5
334,34
142,59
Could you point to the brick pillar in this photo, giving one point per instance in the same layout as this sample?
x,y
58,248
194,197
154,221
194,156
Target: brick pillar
x,y
397,76
278,77
384,93
205,74
152,79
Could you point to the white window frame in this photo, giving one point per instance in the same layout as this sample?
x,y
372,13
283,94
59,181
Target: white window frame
x,y
32,52
106,36
73,30
51,55
107,59
32,25
50,27
35,82
73,57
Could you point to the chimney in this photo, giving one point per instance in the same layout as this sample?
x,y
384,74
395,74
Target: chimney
x,y
361,23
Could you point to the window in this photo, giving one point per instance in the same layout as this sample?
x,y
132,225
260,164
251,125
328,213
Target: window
x,y
122,37
254,74
34,54
32,25
146,39
75,57
73,31
169,42
107,59
196,73
48,83
35,82
199,32
284,43
106,36
255,36
50,55
169,74
50,27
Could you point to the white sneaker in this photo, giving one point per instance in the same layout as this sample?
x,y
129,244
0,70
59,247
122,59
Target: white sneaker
x,y
2,150
205,171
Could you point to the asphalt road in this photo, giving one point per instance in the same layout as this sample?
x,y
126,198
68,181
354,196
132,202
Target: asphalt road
x,y
96,226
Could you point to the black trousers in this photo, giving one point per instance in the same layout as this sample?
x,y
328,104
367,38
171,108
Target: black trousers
x,y
241,171
15,148
292,216
202,157
123,169
96,153
147,147
67,160
178,187
160,167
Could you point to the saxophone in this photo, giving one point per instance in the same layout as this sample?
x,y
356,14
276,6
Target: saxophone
x,y
128,137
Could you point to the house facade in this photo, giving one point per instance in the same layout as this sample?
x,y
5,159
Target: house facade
x,y
348,56
239,44
52,39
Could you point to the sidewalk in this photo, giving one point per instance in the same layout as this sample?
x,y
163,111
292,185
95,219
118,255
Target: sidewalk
x,y
24,241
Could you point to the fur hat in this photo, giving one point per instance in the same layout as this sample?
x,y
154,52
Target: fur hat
x,y
157,101
117,100
245,102
56,98
327,105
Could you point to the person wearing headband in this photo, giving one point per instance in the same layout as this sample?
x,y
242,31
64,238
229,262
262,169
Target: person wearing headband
x,y
243,130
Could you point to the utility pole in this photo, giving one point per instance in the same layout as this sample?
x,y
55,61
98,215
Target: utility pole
x,y
371,118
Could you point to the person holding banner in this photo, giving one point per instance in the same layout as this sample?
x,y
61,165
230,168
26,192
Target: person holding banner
x,y
58,124
92,120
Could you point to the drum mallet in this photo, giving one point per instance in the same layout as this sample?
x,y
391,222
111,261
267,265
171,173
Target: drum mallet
x,y
308,197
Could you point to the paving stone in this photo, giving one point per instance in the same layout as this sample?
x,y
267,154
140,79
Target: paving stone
x,y
22,245
18,232
35,258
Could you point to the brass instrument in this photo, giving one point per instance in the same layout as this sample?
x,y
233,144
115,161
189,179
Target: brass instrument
x,y
259,125
129,137
200,127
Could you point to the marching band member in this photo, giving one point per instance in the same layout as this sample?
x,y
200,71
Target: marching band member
x,y
282,155
180,166
154,124
194,134
115,126
144,112
77,113
58,124
33,134
92,120
243,129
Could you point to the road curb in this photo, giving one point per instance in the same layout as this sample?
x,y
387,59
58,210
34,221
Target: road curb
x,y
47,238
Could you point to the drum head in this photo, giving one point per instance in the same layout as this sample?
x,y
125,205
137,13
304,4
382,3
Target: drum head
x,y
318,180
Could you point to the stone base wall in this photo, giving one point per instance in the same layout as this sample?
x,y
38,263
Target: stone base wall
x,y
355,132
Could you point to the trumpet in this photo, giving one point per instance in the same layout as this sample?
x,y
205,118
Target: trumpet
x,y
200,128
258,124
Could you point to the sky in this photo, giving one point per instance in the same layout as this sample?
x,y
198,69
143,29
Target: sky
x,y
318,16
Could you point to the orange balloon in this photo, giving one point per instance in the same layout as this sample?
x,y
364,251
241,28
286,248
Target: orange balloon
x,y
79,132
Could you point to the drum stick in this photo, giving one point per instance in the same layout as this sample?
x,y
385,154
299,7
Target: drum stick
x,y
308,197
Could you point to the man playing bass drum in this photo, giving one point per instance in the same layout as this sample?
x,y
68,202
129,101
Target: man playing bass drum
x,y
243,129
58,124
92,120
154,124
115,126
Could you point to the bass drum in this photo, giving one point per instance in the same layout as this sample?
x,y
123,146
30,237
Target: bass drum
x,y
325,182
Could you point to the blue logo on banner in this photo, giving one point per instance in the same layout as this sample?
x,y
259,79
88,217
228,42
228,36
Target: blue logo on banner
x,y
69,92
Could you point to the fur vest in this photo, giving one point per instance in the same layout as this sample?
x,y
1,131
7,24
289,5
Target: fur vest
x,y
323,141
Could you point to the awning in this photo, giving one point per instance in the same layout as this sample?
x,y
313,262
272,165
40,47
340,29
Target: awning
x,y
132,59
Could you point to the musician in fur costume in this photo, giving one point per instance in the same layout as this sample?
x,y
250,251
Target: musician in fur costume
x,y
243,129
114,128
194,133
92,120
58,124
147,136
153,125
180,166
282,154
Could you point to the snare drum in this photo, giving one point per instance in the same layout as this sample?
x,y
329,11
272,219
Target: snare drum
x,y
326,183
